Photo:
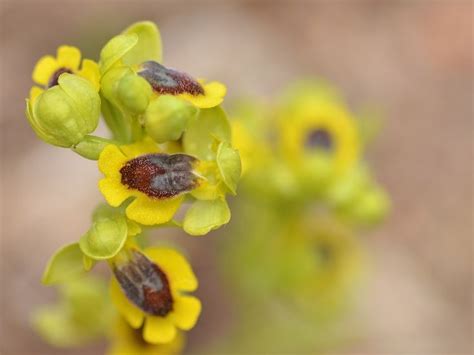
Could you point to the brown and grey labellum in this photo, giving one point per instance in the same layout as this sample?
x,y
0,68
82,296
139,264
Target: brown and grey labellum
x,y
169,81
160,176
145,284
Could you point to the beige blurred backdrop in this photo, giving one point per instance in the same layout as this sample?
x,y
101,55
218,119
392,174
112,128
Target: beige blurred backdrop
x,y
411,59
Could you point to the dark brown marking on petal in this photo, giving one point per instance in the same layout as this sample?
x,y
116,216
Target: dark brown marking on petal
x,y
145,284
53,80
319,138
169,81
160,175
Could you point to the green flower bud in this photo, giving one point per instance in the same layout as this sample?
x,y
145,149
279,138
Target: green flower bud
x,y
133,93
167,117
64,114
126,90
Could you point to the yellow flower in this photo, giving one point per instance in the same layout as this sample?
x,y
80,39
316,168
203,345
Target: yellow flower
x,y
68,60
128,341
320,129
149,291
165,81
157,181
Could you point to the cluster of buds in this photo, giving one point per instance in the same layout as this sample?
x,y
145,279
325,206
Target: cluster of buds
x,y
170,149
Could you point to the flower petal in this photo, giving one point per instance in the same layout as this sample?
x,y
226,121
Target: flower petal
x,y
186,310
69,57
132,314
44,69
150,211
111,161
90,71
142,147
113,191
175,266
35,92
158,330
214,93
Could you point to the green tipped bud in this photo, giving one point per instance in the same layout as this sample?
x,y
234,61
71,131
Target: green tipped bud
x,y
64,114
167,117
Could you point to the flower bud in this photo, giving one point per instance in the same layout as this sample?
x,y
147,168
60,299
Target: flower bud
x,y
64,114
126,90
167,117
133,93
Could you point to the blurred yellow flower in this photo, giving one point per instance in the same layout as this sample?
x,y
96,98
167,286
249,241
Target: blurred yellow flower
x,y
320,129
68,60
128,341
148,292
156,181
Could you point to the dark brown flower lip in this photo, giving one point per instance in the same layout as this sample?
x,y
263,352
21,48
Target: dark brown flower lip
x,y
145,284
319,138
53,80
169,81
160,175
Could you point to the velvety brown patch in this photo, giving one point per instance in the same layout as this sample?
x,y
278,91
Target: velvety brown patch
x,y
160,175
169,81
319,138
54,78
145,285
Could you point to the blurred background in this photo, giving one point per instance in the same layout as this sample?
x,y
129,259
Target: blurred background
x,y
411,59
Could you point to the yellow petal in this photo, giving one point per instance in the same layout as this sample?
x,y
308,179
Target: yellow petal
x,y
150,211
145,146
158,330
214,93
113,191
186,310
132,314
175,266
44,69
90,71
111,160
69,57
34,93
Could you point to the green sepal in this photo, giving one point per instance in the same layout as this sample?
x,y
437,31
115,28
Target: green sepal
x,y
88,262
370,208
64,265
105,238
167,117
230,168
116,49
211,125
148,46
90,147
204,216
115,120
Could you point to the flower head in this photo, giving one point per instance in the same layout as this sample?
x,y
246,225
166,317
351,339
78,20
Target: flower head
x,y
148,292
156,180
68,60
320,131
